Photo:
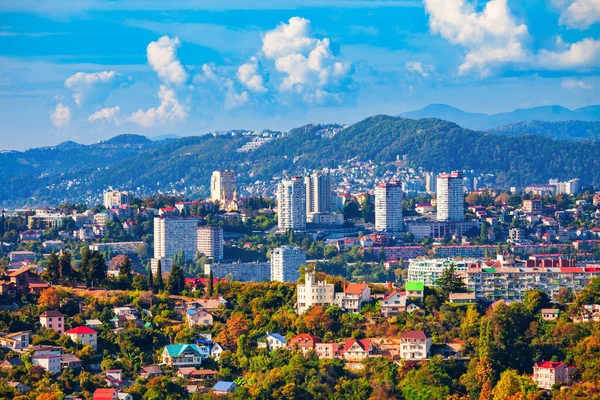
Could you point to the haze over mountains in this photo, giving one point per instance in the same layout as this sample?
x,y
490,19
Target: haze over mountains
x,y
480,121
72,172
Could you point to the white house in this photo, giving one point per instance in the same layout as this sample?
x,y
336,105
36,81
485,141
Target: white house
x,y
50,362
414,345
272,341
393,304
84,335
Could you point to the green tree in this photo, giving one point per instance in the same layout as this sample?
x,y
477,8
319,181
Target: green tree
x,y
159,278
176,279
52,273
450,282
65,265
150,278
511,384
125,268
209,286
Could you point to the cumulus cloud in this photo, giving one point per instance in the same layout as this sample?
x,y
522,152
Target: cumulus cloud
x,y
575,84
425,70
249,75
169,110
491,37
162,57
93,87
579,14
61,115
109,114
224,89
309,65
582,55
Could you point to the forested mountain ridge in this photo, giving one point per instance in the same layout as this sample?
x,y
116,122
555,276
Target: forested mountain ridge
x,y
561,130
481,121
64,173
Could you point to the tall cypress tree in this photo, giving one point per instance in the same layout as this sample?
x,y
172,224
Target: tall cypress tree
x,y
65,265
159,279
150,279
52,269
176,280
209,285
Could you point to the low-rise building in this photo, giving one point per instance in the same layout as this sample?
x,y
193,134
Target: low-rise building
x,y
312,293
353,297
393,304
52,319
546,374
272,341
17,341
327,350
355,349
150,371
414,345
224,388
304,342
414,290
462,298
199,317
549,314
84,335
50,362
181,355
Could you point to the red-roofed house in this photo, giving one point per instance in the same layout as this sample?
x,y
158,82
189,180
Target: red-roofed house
x,y
355,349
546,374
353,297
106,394
84,335
414,345
27,281
393,304
304,342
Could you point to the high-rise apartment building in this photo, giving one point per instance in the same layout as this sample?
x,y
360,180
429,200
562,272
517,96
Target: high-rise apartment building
x,y
286,262
210,241
172,236
318,193
291,204
388,206
115,198
222,185
450,197
430,182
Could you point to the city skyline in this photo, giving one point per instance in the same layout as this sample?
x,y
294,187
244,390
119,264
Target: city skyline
x,y
97,69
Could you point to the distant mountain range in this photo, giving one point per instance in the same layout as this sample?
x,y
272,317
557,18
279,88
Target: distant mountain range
x,y
479,121
71,172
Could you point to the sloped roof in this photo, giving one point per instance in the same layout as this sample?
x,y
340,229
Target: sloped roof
x,y
355,288
175,350
278,337
363,343
223,386
415,286
80,330
104,394
414,335
51,313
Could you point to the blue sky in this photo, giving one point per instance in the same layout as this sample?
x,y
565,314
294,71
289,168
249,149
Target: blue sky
x,y
89,70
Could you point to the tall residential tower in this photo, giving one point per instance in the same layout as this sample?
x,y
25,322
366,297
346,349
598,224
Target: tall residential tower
x,y
450,197
388,206
222,185
291,204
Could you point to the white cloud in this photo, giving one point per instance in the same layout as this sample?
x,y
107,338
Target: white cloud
x,y
169,110
162,57
61,115
575,84
309,65
584,54
216,82
248,74
579,14
93,87
109,114
491,37
425,70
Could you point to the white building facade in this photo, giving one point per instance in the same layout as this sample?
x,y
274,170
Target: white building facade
x,y
313,293
450,197
222,185
171,236
115,198
291,205
388,206
210,242
286,262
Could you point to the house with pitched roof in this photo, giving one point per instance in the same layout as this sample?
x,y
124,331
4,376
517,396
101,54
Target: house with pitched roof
x,y
18,341
414,345
216,350
224,388
150,371
304,342
272,341
393,304
84,335
52,319
49,362
547,373
355,349
182,355
105,394
27,281
353,297
327,350
199,317
549,314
